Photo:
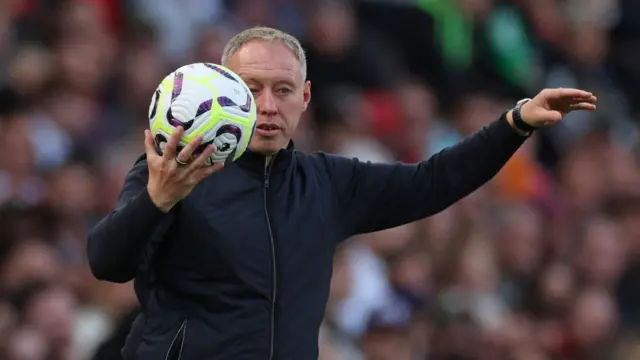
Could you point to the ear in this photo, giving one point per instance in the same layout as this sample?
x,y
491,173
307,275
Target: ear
x,y
306,95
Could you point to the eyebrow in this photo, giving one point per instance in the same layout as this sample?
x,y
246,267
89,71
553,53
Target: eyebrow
x,y
287,82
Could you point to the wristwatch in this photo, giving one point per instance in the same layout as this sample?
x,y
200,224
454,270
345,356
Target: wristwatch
x,y
518,123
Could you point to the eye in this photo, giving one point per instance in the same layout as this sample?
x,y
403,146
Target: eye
x,y
284,91
254,90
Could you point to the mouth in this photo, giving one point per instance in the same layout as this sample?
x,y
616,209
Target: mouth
x,y
267,129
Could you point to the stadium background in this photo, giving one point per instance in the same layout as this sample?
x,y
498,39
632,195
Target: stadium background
x,y
540,264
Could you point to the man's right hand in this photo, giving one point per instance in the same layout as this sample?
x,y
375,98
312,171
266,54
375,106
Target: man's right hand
x,y
169,180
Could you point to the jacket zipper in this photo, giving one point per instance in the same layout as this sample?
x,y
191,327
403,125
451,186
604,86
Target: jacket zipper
x,y
182,332
267,172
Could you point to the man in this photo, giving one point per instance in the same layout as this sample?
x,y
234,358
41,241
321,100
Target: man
x,y
237,265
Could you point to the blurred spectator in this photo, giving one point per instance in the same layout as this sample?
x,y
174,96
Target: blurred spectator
x,y
388,334
541,263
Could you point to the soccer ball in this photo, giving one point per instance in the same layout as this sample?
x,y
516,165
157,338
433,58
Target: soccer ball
x,y
205,99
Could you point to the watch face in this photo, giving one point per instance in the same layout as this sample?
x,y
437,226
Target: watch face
x,y
523,101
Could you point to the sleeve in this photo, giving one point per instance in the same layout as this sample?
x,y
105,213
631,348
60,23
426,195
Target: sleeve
x,y
116,244
373,197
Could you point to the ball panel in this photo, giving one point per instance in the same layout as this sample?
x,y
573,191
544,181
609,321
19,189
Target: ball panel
x,y
161,124
225,144
161,138
153,106
208,100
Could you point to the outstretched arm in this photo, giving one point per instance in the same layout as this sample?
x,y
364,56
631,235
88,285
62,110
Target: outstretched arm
x,y
373,197
380,196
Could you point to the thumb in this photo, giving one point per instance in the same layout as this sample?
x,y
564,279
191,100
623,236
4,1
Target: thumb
x,y
553,116
536,113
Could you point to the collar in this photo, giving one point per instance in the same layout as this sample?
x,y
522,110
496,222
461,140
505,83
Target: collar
x,y
256,162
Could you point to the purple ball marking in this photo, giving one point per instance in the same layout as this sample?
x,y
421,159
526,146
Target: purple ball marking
x,y
177,85
204,107
175,123
247,106
225,101
221,71
230,129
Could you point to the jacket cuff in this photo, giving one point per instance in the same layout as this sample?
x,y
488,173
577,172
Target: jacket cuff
x,y
504,130
144,209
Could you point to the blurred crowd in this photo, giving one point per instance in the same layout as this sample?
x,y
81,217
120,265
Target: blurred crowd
x,y
542,263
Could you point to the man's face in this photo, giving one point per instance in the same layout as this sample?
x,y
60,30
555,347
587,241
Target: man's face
x,y
272,73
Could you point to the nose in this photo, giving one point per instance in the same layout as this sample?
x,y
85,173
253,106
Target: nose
x,y
266,103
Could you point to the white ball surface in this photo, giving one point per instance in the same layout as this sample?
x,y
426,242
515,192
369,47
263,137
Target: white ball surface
x,y
208,100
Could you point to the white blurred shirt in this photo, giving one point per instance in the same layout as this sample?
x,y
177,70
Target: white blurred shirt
x,y
369,291
178,22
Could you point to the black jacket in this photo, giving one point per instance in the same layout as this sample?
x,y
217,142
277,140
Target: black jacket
x,y
240,269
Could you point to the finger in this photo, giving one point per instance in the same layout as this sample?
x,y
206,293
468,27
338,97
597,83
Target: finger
x,y
202,173
590,99
583,106
570,93
187,151
172,144
201,159
149,145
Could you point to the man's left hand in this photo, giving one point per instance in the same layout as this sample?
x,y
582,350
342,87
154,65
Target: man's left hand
x,y
551,105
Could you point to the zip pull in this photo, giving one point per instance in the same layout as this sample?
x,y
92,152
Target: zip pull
x,y
268,164
267,170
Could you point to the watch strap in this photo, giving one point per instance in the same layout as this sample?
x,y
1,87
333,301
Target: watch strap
x,y
517,118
